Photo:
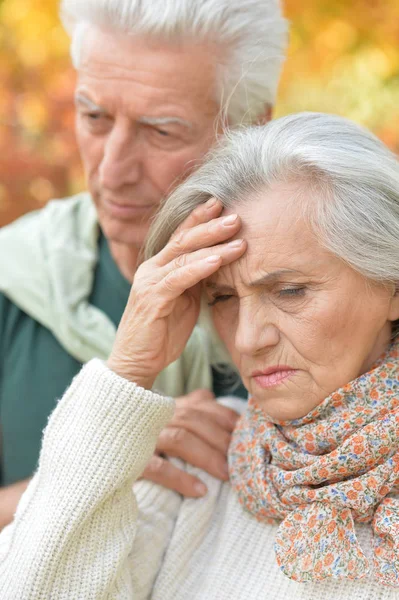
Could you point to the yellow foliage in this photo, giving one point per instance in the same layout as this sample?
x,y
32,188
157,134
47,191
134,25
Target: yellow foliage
x,y
343,58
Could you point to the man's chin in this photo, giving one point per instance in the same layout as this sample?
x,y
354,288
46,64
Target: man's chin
x,y
122,232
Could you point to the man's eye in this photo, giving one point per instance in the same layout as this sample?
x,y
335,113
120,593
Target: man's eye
x,y
292,292
162,132
222,298
92,116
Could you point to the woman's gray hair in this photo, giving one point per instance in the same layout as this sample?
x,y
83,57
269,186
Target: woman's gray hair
x,y
348,186
253,32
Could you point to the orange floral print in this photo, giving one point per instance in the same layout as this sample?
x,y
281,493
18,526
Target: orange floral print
x,y
329,559
331,526
318,474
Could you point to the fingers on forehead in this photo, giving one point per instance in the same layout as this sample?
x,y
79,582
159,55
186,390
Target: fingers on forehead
x,y
204,235
203,213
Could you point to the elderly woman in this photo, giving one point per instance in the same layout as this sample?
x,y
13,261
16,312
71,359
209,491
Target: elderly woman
x,y
299,260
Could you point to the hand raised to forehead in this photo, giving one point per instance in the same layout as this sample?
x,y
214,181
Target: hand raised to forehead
x,y
164,301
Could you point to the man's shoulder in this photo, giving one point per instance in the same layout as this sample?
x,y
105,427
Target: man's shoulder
x,y
53,214
10,316
29,244
38,255
4,306
7,308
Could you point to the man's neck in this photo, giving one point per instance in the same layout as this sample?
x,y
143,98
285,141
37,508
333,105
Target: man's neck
x,y
125,257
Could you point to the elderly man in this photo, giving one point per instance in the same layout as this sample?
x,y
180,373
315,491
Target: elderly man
x,y
158,80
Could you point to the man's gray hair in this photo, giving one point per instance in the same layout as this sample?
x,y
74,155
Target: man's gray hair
x,y
347,182
252,33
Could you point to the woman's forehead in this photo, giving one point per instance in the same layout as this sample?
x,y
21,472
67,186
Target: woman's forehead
x,y
274,224
281,243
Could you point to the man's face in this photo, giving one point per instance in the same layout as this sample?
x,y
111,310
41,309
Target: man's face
x,y
145,116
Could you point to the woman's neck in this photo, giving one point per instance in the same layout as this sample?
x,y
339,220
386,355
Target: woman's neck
x,y
382,343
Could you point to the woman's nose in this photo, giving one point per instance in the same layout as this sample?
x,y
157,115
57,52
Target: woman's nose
x,y
253,335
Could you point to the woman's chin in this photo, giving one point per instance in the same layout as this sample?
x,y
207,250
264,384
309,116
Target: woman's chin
x,y
287,407
293,397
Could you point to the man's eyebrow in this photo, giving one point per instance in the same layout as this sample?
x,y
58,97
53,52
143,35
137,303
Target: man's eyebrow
x,y
80,99
165,121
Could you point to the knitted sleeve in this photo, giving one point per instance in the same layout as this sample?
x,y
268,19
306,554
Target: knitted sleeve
x,y
76,524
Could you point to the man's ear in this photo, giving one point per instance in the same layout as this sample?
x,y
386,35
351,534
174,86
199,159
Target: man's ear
x,y
266,115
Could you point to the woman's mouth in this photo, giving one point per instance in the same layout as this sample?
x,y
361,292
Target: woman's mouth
x,y
273,376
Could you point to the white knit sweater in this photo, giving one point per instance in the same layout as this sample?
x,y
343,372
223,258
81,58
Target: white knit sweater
x,y
81,534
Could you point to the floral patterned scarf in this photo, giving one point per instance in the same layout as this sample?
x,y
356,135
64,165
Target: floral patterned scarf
x,y
320,473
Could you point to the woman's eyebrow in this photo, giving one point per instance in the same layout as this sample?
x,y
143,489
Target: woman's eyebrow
x,y
274,276
212,285
267,279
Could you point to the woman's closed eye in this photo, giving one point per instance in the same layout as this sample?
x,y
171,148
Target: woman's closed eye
x,y
221,298
292,292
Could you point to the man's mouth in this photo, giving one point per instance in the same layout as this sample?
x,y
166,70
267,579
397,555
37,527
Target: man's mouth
x,y
126,210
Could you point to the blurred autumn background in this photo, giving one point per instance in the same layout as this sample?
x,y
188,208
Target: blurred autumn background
x,y
343,58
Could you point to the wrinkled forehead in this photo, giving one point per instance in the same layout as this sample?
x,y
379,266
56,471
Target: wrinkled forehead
x,y
278,235
189,67
276,217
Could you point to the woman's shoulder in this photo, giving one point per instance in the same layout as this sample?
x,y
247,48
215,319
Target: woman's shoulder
x,y
216,549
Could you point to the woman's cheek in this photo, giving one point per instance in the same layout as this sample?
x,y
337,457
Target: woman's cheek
x,y
225,326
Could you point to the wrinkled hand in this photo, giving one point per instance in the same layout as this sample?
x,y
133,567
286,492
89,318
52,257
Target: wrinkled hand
x,y
164,301
199,434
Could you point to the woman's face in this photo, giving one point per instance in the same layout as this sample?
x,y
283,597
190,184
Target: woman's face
x,y
298,322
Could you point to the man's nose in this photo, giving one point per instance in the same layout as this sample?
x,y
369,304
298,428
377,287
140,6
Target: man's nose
x,y
255,332
121,163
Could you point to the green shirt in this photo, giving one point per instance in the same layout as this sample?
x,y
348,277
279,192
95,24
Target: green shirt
x,y
35,370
